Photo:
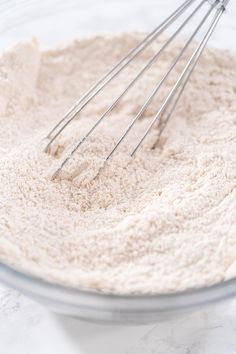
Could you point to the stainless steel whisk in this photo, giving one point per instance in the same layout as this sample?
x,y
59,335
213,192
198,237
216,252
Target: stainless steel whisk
x,y
165,111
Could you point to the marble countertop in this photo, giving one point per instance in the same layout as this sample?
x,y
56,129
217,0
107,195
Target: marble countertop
x,y
28,328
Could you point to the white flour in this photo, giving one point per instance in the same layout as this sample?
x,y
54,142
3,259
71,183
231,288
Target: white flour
x,y
162,221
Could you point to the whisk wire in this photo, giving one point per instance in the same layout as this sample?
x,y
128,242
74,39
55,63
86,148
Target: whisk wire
x,y
169,110
98,86
137,77
195,56
157,88
165,111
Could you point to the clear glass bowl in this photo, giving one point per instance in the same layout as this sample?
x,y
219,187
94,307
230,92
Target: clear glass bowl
x,y
56,21
92,306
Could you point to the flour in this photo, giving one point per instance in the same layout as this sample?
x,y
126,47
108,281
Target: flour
x,y
160,222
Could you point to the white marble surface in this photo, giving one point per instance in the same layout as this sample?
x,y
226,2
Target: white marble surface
x,y
28,328
56,21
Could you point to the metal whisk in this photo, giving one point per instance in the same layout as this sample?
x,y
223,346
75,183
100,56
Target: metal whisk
x,y
165,111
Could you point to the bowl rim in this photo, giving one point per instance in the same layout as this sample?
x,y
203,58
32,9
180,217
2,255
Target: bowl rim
x,y
43,290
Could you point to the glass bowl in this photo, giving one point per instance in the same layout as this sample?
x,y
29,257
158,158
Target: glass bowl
x,y
53,22
102,308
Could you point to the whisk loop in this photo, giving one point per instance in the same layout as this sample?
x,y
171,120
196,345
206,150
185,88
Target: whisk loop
x,y
167,107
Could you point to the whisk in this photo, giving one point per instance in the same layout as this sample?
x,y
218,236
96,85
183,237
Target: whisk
x,y
212,15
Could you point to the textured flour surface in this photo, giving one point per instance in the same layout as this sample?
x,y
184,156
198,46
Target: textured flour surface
x,y
162,221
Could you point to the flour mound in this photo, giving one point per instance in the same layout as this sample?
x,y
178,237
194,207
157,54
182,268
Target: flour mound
x,y
162,221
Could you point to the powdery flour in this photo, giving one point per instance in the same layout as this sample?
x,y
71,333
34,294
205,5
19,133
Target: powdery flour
x,y
162,221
